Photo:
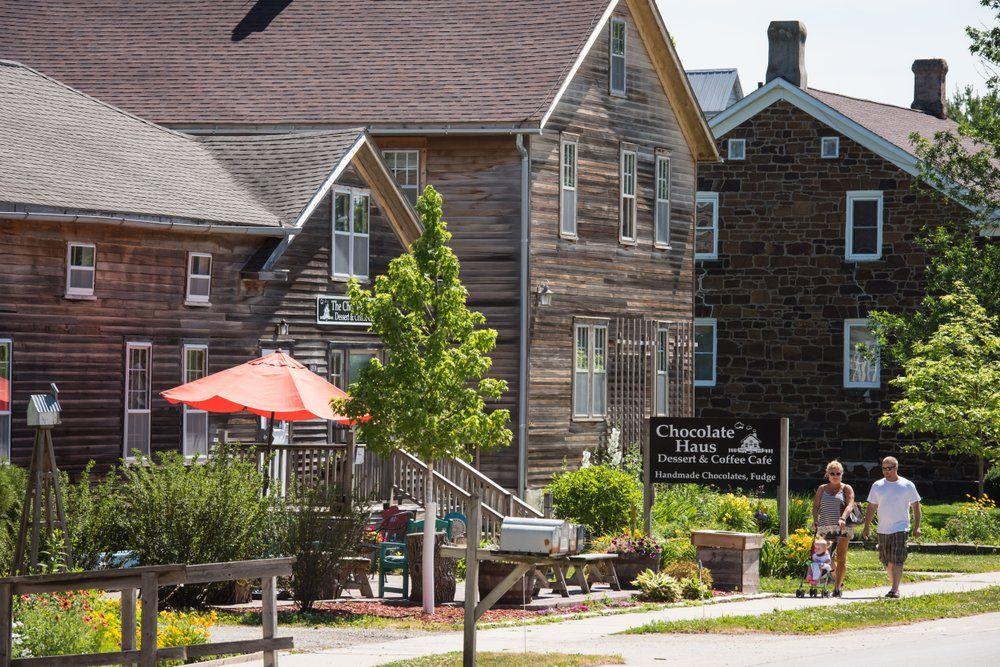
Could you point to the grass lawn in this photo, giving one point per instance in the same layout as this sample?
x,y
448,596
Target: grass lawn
x,y
920,562
836,618
937,515
490,659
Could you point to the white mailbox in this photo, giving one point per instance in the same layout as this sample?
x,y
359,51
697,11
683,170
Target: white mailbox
x,y
537,537
43,409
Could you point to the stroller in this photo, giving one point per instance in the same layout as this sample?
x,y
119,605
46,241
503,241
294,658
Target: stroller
x,y
819,571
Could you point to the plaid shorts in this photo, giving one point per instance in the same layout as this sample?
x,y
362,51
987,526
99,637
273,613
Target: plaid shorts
x,y
892,548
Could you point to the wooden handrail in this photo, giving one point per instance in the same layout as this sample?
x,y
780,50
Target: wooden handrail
x,y
149,579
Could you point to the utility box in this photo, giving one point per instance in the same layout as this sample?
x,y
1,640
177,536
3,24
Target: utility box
x,y
732,558
43,409
537,537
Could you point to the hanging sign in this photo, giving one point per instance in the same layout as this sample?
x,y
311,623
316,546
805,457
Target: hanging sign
x,y
728,453
337,310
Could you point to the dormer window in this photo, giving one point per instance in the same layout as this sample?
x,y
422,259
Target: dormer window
x,y
617,65
829,147
351,213
737,149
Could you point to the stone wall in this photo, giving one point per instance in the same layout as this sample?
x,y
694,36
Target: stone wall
x,y
781,289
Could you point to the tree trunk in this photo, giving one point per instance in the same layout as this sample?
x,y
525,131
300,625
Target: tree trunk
x,y
982,475
445,570
427,560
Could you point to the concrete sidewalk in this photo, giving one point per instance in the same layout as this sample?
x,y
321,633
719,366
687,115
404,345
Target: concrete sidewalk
x,y
596,634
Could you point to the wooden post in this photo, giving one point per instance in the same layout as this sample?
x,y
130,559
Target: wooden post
x,y
128,619
348,477
472,536
269,616
547,505
647,484
6,623
150,609
783,482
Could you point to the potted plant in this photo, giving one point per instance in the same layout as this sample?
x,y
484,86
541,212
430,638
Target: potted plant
x,y
636,553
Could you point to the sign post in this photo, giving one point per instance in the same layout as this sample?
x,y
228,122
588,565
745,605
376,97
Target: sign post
x,y
748,454
647,489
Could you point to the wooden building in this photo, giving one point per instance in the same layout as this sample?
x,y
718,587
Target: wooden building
x,y
808,226
563,136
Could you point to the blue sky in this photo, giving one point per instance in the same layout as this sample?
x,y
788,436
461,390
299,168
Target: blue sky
x,y
859,48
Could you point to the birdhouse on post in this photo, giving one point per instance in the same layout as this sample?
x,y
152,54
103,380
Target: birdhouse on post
x,y
42,515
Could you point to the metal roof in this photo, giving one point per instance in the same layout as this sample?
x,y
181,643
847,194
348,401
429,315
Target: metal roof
x,y
716,89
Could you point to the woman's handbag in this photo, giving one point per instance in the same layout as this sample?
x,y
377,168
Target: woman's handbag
x,y
855,518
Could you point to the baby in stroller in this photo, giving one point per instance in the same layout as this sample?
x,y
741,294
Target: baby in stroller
x,y
819,571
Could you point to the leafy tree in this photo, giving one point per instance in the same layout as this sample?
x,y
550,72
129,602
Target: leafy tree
x,y
951,383
429,396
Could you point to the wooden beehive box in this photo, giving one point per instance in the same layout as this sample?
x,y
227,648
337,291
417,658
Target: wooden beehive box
x,y
732,558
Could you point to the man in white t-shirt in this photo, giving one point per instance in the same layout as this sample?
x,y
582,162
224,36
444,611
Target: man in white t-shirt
x,y
893,497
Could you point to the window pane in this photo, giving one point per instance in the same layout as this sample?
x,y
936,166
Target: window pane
x,y
568,211
81,279
705,242
201,265
863,355
5,384
195,433
196,366
865,213
661,394
200,286
663,222
600,348
341,253
358,361
703,367
341,213
628,173
569,165
581,393
618,74
628,218
360,256
600,394
663,178
705,214
5,436
337,369
411,192
138,433
582,334
618,38
864,241
82,256
361,212
704,355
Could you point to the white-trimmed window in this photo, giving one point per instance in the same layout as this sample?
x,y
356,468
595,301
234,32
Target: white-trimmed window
x,y
199,277
405,168
351,217
346,364
567,187
81,265
862,366
194,366
864,225
6,394
138,366
662,222
705,347
662,379
736,149
590,376
706,230
627,216
616,67
829,147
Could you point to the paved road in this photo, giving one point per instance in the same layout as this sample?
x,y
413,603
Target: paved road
x,y
966,642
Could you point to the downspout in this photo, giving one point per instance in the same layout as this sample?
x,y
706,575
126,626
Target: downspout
x,y
522,377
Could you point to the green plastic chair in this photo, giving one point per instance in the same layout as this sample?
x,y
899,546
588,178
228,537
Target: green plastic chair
x,y
439,525
392,557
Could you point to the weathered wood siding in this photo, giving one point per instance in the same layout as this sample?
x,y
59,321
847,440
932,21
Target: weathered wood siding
x,y
596,276
479,179
139,296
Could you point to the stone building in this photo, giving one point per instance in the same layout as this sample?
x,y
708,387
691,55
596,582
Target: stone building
x,y
807,227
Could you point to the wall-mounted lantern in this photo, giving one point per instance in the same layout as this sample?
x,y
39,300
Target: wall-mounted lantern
x,y
544,295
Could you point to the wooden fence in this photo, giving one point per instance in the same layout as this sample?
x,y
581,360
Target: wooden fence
x,y
147,581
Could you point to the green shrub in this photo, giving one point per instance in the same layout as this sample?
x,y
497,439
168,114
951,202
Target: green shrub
x,y
788,559
320,527
603,498
736,513
12,481
97,526
975,521
693,588
54,624
678,549
658,587
688,569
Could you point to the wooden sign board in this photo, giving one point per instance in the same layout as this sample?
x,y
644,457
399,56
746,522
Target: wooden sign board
x,y
337,310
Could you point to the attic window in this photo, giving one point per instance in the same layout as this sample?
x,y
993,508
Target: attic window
x,y
351,214
829,147
737,149
617,64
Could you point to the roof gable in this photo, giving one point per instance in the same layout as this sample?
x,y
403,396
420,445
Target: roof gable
x,y
716,89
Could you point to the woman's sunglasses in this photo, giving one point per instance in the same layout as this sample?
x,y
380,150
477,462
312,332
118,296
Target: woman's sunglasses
x,y
834,474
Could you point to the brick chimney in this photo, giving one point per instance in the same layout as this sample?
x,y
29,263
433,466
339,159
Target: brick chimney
x,y
929,86
786,54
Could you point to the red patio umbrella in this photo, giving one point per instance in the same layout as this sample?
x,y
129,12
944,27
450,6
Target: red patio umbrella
x,y
275,386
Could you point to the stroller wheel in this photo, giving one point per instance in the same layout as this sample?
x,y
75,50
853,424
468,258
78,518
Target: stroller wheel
x,y
825,594
812,592
800,593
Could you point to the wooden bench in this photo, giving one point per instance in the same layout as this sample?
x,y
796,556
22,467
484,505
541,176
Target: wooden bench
x,y
602,562
354,576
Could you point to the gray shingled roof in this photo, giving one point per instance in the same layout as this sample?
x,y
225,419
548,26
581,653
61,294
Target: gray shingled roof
x,y
62,149
892,123
716,89
308,61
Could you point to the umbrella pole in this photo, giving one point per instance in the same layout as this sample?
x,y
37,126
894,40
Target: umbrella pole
x,y
270,443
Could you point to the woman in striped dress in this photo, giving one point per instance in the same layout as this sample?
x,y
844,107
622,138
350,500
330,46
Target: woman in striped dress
x,y
831,510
